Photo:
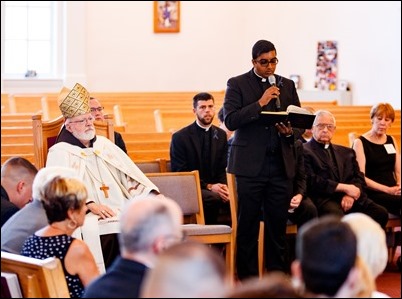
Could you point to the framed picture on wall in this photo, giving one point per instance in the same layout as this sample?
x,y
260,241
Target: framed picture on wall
x,y
166,16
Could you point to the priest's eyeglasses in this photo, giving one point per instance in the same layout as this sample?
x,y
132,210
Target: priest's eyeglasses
x,y
82,121
330,127
99,109
266,62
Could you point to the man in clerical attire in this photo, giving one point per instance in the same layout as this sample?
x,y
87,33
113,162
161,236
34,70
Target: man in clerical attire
x,y
110,176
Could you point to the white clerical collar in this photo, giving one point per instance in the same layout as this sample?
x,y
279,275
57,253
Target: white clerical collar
x,y
262,78
203,127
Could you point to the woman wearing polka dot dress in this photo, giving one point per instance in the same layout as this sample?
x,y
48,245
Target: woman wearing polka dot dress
x,y
64,202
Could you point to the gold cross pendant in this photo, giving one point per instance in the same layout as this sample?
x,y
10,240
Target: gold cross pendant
x,y
104,188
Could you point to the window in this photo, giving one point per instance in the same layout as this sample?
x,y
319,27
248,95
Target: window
x,y
31,39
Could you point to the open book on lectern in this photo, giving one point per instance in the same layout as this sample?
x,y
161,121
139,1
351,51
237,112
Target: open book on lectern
x,y
298,117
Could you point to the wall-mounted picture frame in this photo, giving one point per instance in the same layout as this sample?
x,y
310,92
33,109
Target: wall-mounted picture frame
x,y
166,16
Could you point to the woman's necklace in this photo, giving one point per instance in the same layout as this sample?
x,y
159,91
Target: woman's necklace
x,y
104,187
377,139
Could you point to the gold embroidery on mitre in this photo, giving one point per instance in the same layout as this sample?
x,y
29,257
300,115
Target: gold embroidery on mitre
x,y
74,102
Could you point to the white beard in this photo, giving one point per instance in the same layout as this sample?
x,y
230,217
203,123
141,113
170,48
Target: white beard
x,y
85,135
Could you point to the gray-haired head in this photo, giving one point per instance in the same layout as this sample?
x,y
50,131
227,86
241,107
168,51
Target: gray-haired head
x,y
371,241
45,174
148,220
319,113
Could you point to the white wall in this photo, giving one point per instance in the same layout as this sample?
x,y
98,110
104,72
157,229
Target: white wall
x,y
112,47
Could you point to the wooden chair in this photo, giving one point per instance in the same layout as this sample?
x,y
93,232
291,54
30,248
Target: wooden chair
x,y
290,229
45,134
37,278
184,188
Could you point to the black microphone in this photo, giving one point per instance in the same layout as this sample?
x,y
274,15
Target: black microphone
x,y
272,81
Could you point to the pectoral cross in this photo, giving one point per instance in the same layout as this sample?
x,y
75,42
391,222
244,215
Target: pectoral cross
x,y
104,188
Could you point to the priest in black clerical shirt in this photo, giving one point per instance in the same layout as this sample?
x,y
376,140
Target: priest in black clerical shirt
x,y
334,180
203,146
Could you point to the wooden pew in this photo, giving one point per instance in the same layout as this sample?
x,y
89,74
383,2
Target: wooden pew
x,y
16,116
152,96
173,120
17,138
28,103
149,136
341,135
37,278
147,145
16,130
29,157
17,149
15,122
319,104
146,155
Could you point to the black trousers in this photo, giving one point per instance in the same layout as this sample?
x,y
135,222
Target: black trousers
x,y
270,191
215,210
110,248
304,212
362,205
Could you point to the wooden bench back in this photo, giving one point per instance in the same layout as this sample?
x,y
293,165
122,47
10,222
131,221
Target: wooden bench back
x,y
37,278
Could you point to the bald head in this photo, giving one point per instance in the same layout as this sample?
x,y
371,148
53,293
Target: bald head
x,y
148,222
186,270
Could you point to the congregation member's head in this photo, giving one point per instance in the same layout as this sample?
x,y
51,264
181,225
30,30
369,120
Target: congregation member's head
x,y
326,250
371,241
149,226
186,270
17,175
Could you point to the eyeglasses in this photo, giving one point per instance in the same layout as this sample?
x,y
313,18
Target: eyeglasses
x,y
330,127
99,109
82,121
266,62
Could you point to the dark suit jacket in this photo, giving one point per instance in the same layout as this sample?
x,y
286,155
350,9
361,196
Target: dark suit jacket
x,y
8,209
321,179
122,279
185,153
242,113
118,140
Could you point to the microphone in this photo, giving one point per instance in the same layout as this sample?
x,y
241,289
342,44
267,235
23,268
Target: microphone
x,y
272,81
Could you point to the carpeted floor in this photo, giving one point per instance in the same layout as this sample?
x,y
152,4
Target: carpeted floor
x,y
390,281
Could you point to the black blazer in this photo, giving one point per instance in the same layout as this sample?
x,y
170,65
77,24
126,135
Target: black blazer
x,y
321,179
242,113
185,153
118,140
123,279
8,209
